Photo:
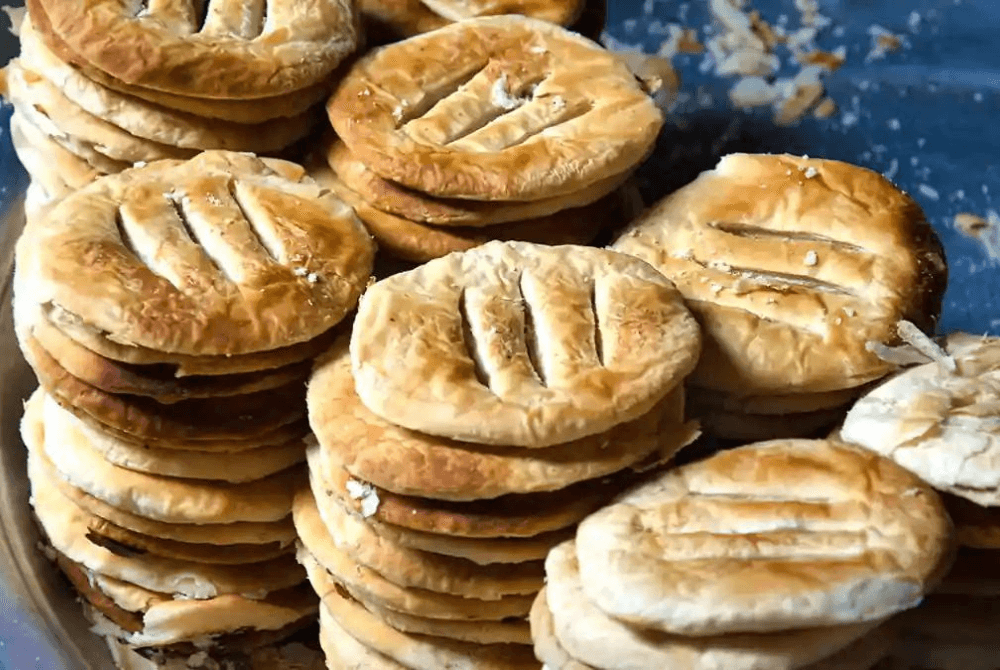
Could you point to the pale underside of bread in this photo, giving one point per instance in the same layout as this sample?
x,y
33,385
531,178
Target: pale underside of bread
x,y
940,425
44,104
158,619
344,652
155,122
497,110
66,526
519,344
421,652
239,257
237,52
793,266
57,170
251,465
477,632
169,499
392,198
419,569
590,635
411,463
768,537
367,585
74,328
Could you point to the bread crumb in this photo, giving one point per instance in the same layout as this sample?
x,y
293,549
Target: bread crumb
x,y
825,108
139,164
812,258
811,172
364,492
929,192
850,311
753,92
312,277
500,96
894,124
828,60
300,271
883,42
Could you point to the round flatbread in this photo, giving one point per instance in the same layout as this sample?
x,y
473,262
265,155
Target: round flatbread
x,y
769,537
518,344
793,265
590,635
241,258
497,108
939,424
353,438
250,50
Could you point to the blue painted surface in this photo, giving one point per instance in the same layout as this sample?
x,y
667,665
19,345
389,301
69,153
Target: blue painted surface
x,y
943,89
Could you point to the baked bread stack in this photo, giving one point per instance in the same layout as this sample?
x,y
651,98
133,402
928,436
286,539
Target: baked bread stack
x,y
781,555
101,87
171,314
487,402
794,267
494,128
392,20
939,420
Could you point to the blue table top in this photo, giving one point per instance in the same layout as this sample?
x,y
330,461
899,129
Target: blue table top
x,y
923,114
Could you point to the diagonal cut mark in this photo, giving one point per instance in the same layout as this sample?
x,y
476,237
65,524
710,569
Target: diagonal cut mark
x,y
531,334
123,234
185,221
470,342
501,103
492,138
791,281
270,246
760,233
598,332
414,110
201,9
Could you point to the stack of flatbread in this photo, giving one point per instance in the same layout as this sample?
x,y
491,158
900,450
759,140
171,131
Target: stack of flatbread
x,y
391,20
101,87
486,402
170,313
494,128
940,421
794,268
778,555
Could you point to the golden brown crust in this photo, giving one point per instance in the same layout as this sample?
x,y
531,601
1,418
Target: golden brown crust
x,y
73,327
587,633
519,344
792,266
156,122
511,515
868,540
41,102
219,255
454,123
421,652
367,585
351,437
419,242
228,418
392,198
236,53
155,381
